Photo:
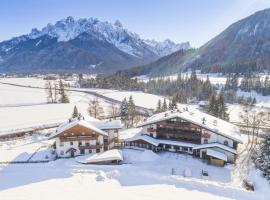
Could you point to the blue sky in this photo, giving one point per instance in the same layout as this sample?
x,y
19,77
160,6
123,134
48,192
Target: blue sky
x,y
196,21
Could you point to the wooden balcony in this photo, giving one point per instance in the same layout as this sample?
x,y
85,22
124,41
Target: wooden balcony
x,y
90,147
77,138
107,142
178,135
151,130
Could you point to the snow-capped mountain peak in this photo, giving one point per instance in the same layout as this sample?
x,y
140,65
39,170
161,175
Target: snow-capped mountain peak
x,y
131,43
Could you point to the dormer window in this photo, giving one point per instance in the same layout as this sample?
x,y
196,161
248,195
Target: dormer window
x,y
226,143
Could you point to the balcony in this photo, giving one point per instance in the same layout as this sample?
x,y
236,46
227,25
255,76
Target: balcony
x,y
90,147
107,142
178,135
151,130
77,138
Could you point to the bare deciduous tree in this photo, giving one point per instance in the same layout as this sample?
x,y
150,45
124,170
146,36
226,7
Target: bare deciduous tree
x,y
94,109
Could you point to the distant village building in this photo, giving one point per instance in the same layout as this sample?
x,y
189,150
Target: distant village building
x,y
189,131
79,137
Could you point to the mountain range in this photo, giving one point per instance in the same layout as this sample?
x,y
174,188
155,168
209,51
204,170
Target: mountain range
x,y
86,45
243,47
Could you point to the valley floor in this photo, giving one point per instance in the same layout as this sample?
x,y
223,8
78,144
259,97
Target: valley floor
x,y
144,175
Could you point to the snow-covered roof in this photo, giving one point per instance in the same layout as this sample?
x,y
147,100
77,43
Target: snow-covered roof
x,y
218,145
216,154
199,118
129,133
109,155
108,124
70,124
156,142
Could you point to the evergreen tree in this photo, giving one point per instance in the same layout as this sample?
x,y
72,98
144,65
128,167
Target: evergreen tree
x,y
263,160
62,91
124,111
213,106
222,109
159,107
172,104
75,112
164,105
131,111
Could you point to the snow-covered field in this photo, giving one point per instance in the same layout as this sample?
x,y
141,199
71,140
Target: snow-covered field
x,y
26,107
146,176
34,148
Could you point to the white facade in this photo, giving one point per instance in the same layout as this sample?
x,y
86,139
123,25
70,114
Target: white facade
x,y
215,134
62,148
78,137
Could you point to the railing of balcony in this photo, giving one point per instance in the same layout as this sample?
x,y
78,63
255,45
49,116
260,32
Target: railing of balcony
x,y
90,146
77,138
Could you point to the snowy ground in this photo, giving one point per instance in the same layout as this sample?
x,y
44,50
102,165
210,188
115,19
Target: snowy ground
x,y
26,107
147,176
32,148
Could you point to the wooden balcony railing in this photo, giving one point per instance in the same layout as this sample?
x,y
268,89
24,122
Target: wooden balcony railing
x,y
151,130
90,147
77,138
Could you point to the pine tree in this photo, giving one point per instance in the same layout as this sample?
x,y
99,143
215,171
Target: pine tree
x,y
213,106
75,112
159,107
164,105
124,111
173,104
94,109
222,109
263,160
62,91
131,111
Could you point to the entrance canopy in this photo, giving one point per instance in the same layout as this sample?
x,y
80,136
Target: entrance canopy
x,y
107,156
216,154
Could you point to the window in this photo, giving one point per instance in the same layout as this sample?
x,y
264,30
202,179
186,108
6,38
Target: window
x,y
98,150
168,146
185,149
61,144
61,152
80,143
87,144
82,151
71,143
205,141
90,150
226,143
177,148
